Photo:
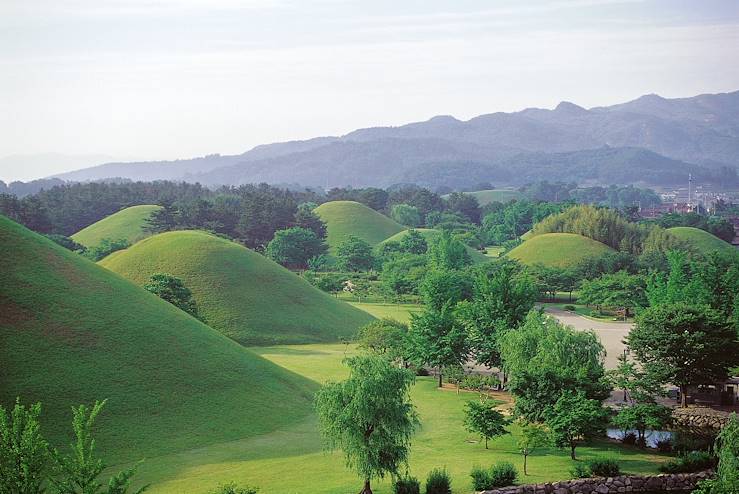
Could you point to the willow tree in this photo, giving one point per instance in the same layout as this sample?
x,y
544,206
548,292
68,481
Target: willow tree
x,y
370,417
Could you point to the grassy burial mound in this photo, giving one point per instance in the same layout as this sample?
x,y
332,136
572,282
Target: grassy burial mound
x,y
558,249
72,332
242,294
344,218
495,195
702,241
430,234
126,224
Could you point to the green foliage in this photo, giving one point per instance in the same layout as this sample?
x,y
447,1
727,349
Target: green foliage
x,y
447,253
406,215
106,247
233,488
640,417
406,485
66,242
545,360
692,461
604,467
580,471
500,474
386,337
369,416
683,344
727,473
354,254
552,279
305,217
482,418
615,291
531,437
575,418
413,243
78,471
24,453
171,289
295,247
563,250
445,287
402,274
237,289
464,204
438,481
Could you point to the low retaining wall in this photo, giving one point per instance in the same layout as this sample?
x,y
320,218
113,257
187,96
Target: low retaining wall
x,y
678,482
699,418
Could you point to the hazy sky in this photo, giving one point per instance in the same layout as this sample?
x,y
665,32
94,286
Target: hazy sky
x,y
156,79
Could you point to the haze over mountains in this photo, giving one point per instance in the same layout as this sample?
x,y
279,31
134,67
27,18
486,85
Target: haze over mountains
x,y
650,141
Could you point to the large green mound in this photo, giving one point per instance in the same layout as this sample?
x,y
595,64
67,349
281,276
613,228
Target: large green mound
x,y
125,224
242,294
701,240
494,195
344,218
430,234
72,332
558,250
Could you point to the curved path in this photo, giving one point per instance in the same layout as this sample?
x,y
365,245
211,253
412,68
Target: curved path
x,y
611,334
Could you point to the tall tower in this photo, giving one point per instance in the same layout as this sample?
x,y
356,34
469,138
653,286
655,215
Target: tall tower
x,y
690,189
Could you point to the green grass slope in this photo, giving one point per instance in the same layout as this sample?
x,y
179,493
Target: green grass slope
x,y
241,293
558,249
430,234
72,332
344,218
702,241
127,223
494,195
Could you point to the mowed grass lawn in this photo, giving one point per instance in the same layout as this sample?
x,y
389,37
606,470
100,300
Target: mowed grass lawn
x,y
399,312
292,461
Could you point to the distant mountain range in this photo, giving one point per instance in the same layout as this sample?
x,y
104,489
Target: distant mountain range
x,y
649,141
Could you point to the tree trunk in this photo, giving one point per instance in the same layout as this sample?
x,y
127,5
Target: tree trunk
x,y
683,396
572,451
440,381
524,464
486,443
366,489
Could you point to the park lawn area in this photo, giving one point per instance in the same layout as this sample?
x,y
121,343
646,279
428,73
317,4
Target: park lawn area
x,y
589,312
399,312
291,460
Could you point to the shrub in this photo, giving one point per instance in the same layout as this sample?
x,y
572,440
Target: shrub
x,y
664,445
629,438
408,485
694,461
480,478
503,473
580,471
232,488
604,467
570,308
438,482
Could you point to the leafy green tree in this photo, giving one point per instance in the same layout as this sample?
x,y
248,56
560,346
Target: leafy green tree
x,y
615,291
482,418
403,273
306,218
532,436
545,359
448,253
163,220
106,247
464,204
502,297
294,247
575,419
370,417
684,345
640,417
386,337
445,287
24,453
406,215
553,279
727,472
354,254
78,472
413,243
66,242
174,291
436,339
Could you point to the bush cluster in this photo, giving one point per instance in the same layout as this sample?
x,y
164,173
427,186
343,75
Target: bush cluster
x,y
604,467
407,485
694,461
437,482
501,474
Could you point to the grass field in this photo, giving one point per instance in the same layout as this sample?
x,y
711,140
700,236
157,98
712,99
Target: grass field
x,y
493,251
291,460
558,249
702,241
344,218
430,234
72,332
492,195
399,312
241,293
125,224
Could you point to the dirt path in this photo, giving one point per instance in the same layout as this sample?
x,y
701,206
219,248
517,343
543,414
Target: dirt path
x,y
611,334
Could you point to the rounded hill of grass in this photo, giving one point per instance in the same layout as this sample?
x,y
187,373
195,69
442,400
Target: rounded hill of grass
x,y
430,234
345,218
73,332
242,294
702,241
558,250
126,224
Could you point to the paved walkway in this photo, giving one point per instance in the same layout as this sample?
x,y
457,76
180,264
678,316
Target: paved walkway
x,y
611,334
